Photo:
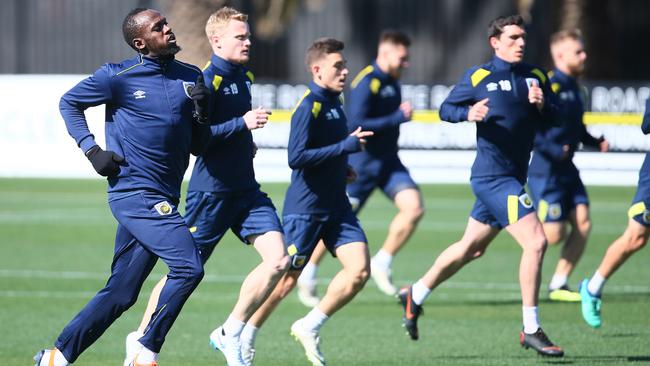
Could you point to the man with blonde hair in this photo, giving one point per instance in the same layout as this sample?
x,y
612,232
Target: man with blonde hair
x,y
223,193
553,179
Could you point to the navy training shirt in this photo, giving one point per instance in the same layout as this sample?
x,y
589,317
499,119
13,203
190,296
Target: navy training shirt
x,y
505,137
226,166
148,120
569,130
373,104
318,147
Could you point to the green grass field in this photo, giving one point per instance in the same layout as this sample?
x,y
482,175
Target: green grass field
x,y
56,242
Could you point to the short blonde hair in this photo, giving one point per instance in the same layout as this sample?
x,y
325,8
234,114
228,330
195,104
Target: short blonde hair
x,y
219,20
574,34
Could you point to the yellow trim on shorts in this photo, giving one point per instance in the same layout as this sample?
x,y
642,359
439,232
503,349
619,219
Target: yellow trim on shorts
x,y
513,208
636,209
291,250
542,211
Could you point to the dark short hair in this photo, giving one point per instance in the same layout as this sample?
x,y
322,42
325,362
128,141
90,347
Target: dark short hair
x,y
394,37
321,48
574,34
496,26
131,27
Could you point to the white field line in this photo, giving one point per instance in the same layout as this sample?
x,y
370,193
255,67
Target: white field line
x,y
237,279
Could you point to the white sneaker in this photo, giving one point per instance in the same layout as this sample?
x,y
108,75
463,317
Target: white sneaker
x,y
247,353
229,346
307,294
43,358
133,347
383,279
310,342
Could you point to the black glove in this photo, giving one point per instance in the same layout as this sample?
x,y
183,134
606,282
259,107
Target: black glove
x,y
106,163
201,97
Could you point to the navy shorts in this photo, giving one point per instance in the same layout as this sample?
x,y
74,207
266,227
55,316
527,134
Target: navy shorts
x,y
500,201
556,196
210,215
640,209
303,231
391,177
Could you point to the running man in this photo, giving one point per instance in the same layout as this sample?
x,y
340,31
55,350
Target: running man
x,y
553,179
149,134
508,100
316,206
634,238
223,193
375,104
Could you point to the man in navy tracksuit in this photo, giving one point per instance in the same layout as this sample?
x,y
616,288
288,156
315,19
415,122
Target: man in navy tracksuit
x,y
375,104
553,179
632,240
509,101
223,193
316,206
149,115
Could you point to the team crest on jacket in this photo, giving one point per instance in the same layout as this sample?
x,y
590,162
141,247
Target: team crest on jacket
x,y
187,87
525,200
554,211
163,208
298,261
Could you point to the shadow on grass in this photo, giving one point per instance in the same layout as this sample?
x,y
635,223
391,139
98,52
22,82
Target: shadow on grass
x,y
608,359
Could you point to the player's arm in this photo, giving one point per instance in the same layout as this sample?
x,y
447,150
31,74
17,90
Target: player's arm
x,y
457,105
546,144
589,140
225,130
360,97
252,120
300,156
645,125
90,92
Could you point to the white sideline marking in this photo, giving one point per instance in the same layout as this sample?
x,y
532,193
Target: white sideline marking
x,y
225,278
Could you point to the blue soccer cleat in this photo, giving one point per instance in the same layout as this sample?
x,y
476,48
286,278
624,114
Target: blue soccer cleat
x,y
590,306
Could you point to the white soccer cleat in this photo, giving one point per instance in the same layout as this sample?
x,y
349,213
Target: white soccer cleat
x,y
310,342
383,278
135,362
44,357
247,353
229,346
133,347
307,294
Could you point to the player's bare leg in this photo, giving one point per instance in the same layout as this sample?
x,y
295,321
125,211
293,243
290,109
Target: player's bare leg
x,y
262,279
307,281
249,333
472,245
257,286
344,286
528,232
633,239
571,252
410,211
350,280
